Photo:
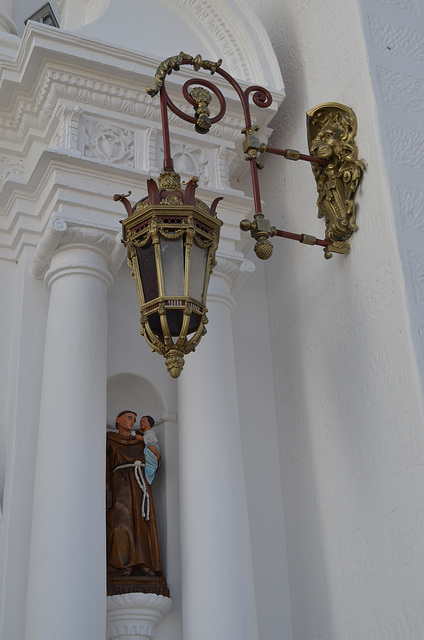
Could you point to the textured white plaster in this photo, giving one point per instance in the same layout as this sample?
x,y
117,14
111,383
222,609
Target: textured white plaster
x,y
401,5
404,530
402,90
402,141
387,454
354,564
309,583
344,371
385,369
396,40
411,208
405,620
416,265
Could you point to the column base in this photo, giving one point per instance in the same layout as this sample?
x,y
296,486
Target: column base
x,y
135,615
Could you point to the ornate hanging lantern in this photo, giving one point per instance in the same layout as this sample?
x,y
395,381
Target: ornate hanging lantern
x,y
171,238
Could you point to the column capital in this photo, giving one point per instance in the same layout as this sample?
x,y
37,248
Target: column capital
x,y
7,25
60,235
228,275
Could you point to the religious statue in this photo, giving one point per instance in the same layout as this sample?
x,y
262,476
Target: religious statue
x,y
133,560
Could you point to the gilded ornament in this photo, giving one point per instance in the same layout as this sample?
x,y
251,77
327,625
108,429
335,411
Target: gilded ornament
x,y
202,97
331,136
173,64
208,65
169,181
166,67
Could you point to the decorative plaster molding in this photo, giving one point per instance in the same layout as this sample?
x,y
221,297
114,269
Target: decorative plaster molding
x,y
77,116
192,161
233,272
238,36
69,117
135,615
59,232
10,168
108,143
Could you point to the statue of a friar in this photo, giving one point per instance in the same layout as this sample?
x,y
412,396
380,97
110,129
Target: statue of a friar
x,y
132,458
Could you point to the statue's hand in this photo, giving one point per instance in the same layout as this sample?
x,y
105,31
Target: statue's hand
x,y
139,437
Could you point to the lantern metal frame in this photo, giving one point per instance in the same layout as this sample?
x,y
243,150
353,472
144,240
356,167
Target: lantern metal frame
x,y
171,215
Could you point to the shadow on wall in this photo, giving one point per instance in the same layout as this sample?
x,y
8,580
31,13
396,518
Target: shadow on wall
x,y
132,392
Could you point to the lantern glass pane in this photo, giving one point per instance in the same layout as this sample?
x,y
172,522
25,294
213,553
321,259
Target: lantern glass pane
x,y
147,268
197,275
173,266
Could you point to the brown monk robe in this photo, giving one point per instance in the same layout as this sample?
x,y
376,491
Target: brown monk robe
x,y
133,560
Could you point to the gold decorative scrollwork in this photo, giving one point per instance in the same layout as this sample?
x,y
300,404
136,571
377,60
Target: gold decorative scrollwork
x,y
169,181
170,200
141,242
202,97
171,235
173,64
203,244
331,135
166,67
208,65
202,206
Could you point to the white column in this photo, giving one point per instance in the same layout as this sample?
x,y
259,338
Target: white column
x,y
6,17
67,586
217,576
9,41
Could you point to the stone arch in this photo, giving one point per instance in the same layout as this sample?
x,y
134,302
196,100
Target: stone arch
x,y
229,29
130,391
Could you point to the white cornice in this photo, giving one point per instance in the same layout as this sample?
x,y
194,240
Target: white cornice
x,y
77,126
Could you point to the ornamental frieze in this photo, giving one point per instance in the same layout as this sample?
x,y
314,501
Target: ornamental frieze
x,y
109,143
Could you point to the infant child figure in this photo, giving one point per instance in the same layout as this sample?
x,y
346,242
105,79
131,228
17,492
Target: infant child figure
x,y
151,449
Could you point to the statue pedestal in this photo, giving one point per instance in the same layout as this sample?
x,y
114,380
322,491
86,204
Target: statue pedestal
x,y
135,616
119,585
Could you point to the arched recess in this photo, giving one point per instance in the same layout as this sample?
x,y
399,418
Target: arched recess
x,y
129,391
227,29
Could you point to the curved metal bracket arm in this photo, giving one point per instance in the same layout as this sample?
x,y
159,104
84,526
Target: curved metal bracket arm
x,y
333,152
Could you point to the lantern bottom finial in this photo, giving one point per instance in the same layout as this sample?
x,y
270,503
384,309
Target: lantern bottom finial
x,y
174,361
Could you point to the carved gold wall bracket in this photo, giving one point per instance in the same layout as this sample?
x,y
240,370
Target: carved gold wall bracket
x,y
331,136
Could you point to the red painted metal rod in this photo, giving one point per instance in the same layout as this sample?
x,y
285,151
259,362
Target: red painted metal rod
x,y
300,238
168,163
302,156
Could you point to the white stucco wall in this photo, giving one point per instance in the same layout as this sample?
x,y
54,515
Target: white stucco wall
x,y
394,36
328,354
57,166
347,388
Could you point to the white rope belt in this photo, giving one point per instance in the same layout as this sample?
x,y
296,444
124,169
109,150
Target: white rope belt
x,y
138,472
